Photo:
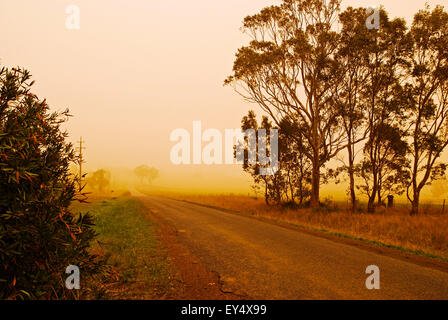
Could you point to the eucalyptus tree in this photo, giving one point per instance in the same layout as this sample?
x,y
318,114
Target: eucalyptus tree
x,y
291,181
293,162
351,76
427,90
287,69
383,96
273,185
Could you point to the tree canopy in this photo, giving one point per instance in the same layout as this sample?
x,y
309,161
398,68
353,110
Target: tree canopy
x,y
345,87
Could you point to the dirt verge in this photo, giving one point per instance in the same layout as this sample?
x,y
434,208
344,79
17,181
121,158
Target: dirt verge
x,y
193,280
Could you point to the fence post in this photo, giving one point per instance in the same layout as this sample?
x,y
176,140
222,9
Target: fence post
x,y
443,208
390,201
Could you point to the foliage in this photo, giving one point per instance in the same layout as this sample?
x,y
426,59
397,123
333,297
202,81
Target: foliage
x,y
292,180
386,88
39,236
287,69
100,180
427,93
146,174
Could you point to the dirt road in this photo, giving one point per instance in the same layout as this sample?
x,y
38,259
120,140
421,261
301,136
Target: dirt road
x,y
259,260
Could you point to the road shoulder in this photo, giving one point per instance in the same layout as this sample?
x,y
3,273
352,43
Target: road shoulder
x,y
195,281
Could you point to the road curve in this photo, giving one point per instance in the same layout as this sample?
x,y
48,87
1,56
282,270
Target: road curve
x,y
265,261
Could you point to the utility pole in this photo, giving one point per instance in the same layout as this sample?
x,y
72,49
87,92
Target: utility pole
x,y
80,161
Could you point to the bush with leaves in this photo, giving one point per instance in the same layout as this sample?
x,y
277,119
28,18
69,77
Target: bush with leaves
x,y
99,180
292,182
39,236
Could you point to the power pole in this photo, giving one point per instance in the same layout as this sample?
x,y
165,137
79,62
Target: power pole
x,y
80,161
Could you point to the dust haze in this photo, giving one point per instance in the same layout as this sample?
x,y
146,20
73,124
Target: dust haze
x,y
137,70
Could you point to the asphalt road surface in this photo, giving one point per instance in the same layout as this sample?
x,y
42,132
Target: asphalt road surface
x,y
265,261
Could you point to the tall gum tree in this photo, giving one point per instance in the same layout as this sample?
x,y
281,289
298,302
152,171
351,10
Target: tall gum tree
x,y
428,100
287,69
382,97
351,77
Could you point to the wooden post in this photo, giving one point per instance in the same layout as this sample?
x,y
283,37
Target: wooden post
x,y
390,201
443,207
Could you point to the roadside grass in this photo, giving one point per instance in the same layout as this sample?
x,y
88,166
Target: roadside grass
x,y
138,266
425,234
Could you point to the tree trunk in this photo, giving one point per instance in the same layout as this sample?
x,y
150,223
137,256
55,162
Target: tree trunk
x,y
315,179
371,205
266,196
301,192
291,187
301,183
351,174
380,200
379,186
372,197
315,185
415,203
352,193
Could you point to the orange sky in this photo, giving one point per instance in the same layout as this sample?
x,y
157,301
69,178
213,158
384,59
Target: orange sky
x,y
138,69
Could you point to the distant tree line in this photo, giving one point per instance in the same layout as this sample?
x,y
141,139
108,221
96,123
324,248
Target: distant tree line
x,y
101,179
146,174
333,87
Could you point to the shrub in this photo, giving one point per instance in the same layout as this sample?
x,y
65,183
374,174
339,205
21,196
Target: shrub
x,y
39,236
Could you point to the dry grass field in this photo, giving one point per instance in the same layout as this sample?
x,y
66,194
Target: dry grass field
x,y
426,233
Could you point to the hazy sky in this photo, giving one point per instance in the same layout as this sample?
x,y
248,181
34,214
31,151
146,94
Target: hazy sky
x,y
138,69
